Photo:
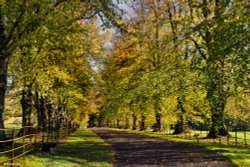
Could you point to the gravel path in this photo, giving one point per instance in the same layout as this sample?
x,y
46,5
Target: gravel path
x,y
136,150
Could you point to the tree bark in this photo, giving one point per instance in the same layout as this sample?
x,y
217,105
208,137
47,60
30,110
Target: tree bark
x,y
142,123
217,127
41,111
38,108
127,122
117,123
27,106
134,121
49,110
3,85
217,98
181,126
217,122
157,125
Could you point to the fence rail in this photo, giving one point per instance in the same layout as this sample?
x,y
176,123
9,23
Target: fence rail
x,y
23,140
238,136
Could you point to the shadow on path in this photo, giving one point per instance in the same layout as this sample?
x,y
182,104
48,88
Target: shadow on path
x,y
137,150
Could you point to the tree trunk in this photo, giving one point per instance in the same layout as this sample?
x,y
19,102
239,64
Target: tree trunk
x,y
41,111
27,106
157,125
38,108
181,126
3,85
157,109
117,123
134,121
127,122
49,110
24,105
217,99
217,127
142,123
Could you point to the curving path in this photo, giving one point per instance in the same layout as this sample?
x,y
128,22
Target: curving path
x,y
136,150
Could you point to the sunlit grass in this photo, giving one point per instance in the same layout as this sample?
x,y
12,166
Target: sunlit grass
x,y
83,148
13,125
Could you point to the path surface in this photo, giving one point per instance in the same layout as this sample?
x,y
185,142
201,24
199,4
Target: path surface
x,y
135,150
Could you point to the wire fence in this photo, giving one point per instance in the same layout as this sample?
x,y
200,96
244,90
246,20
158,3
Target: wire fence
x,y
238,135
21,141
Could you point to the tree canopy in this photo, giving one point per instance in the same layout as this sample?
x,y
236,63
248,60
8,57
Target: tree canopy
x,y
142,63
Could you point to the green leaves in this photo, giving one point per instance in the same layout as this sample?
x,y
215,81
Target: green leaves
x,y
199,54
194,51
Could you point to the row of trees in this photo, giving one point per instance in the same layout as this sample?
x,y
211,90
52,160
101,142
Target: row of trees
x,y
182,61
175,61
46,52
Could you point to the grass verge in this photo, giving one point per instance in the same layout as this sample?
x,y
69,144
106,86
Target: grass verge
x,y
238,155
82,149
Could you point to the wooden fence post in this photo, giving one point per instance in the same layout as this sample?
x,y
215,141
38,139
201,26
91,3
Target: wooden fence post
x,y
24,139
12,146
36,133
31,133
43,129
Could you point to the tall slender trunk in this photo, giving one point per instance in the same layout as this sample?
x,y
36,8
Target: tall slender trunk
x,y
157,125
41,111
157,106
181,125
3,85
49,110
127,122
118,123
134,121
38,108
142,123
27,106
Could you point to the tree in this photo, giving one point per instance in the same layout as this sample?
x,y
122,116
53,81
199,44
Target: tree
x,y
217,37
192,47
20,20
16,21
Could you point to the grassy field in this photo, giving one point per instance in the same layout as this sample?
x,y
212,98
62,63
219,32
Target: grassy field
x,y
82,149
238,155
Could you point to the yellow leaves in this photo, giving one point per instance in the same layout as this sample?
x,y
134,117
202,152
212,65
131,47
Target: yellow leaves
x,y
169,104
119,22
122,54
2,2
61,75
196,19
121,58
238,109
